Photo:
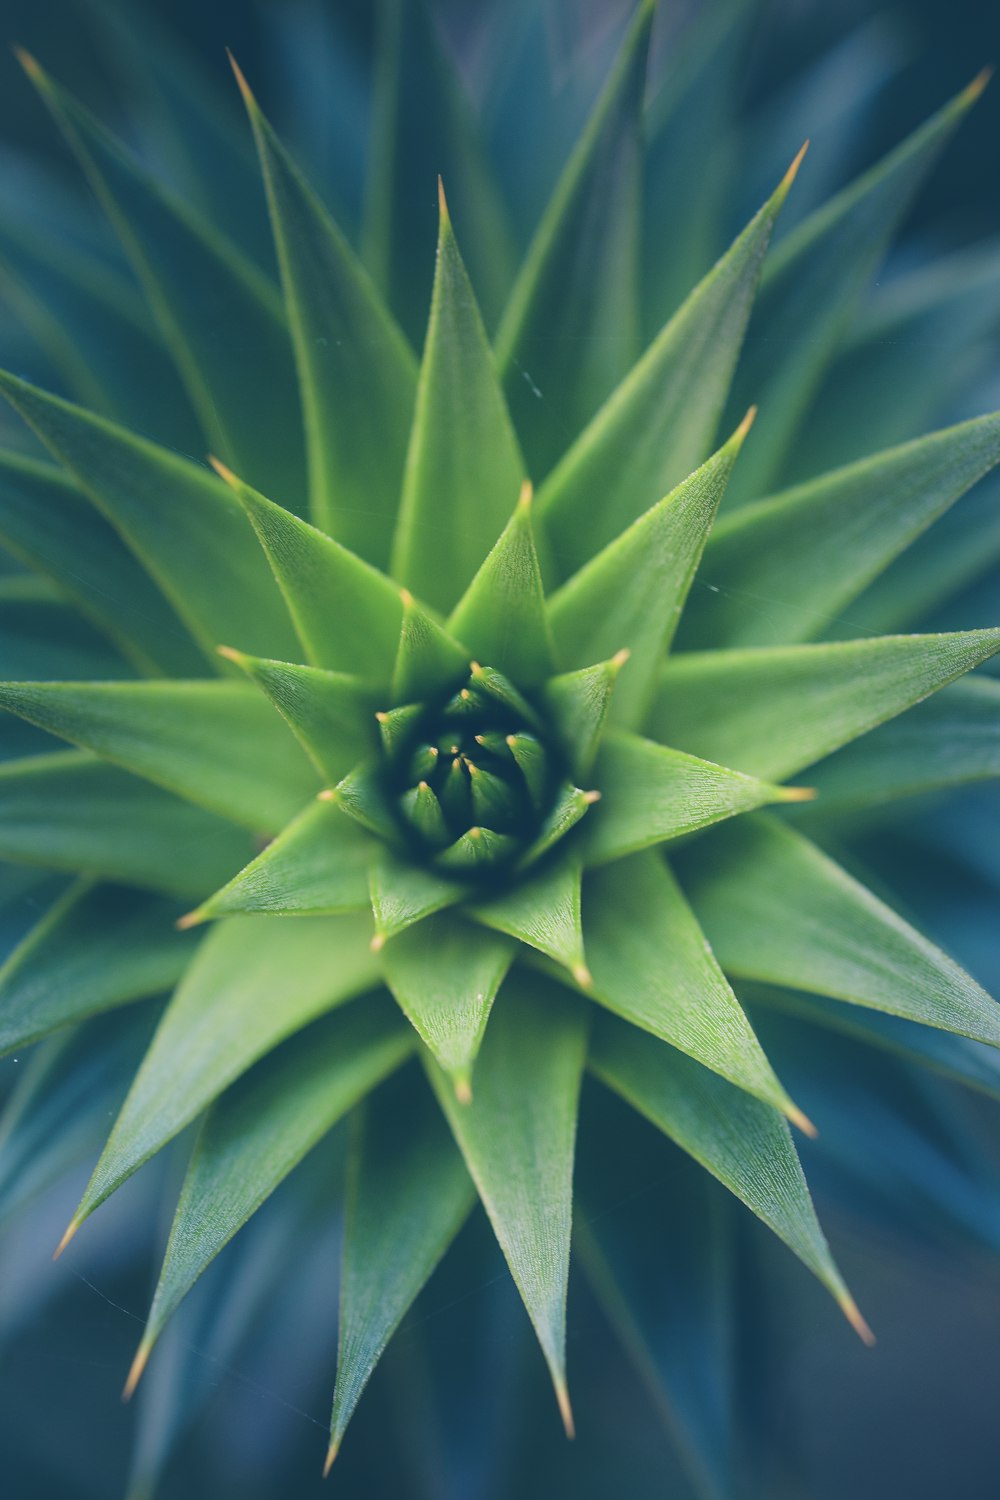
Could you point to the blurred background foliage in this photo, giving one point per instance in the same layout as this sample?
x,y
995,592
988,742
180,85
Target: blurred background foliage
x,y
459,1408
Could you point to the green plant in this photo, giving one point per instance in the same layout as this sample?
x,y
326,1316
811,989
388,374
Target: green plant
x,y
401,725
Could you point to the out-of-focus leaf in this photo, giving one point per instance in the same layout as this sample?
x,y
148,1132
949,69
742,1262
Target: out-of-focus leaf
x,y
630,595
71,811
773,710
59,1110
95,948
462,444
659,424
650,793
255,981
186,529
517,1137
661,1264
777,909
949,741
781,570
357,374
221,318
318,865
501,616
428,661
50,526
650,964
408,1195
445,974
214,743
258,1132
742,1142
331,714
42,636
425,126
543,911
812,285
972,1063
570,330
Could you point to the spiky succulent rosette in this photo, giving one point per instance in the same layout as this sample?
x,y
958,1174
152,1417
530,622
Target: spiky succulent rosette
x,y
412,729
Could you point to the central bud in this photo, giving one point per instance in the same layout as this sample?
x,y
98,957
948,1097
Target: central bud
x,y
471,778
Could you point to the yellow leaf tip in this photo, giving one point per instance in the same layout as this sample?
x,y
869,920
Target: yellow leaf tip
x,y
591,797
443,202
223,472
381,716
135,1372
565,1410
326,795
978,85
29,63
189,919
792,173
463,1088
70,1231
525,497
229,652
244,87
620,658
377,943
801,1121
799,794
745,425
852,1313
331,1454
582,975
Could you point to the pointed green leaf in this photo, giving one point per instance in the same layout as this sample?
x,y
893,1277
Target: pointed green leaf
x,y
357,374
577,707
428,661
403,893
630,596
331,714
363,796
949,741
255,981
658,425
742,1142
502,617
650,793
70,811
569,806
543,911
445,974
570,330
318,865
185,529
777,909
783,569
220,317
346,612
517,1137
464,467
773,710
215,743
95,948
650,964
257,1133
812,285
50,526
408,1195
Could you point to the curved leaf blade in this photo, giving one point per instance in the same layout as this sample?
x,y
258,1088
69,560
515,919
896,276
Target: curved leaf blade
x,y
800,920
770,711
